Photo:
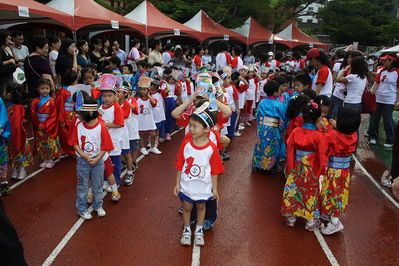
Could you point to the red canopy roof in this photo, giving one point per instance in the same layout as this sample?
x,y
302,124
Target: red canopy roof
x,y
9,12
297,37
155,21
256,33
88,12
210,29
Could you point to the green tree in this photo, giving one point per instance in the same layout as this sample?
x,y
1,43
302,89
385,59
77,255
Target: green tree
x,y
364,21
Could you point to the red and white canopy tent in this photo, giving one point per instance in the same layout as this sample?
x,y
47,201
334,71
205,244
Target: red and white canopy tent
x,y
158,23
297,37
208,28
255,33
89,13
24,11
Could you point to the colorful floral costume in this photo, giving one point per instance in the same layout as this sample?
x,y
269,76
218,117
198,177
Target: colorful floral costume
x,y
306,162
5,133
18,147
65,116
44,118
335,185
268,150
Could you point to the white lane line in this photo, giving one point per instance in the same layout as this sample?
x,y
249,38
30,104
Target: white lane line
x,y
326,249
79,222
386,194
195,261
30,176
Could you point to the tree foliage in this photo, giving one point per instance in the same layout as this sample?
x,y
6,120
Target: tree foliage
x,y
366,21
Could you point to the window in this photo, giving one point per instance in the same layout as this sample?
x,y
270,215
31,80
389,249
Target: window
x,y
310,9
310,20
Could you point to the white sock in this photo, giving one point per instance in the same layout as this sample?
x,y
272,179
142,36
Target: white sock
x,y
129,172
187,228
198,227
334,220
90,192
114,187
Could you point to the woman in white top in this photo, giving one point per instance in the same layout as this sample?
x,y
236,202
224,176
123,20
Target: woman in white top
x,y
355,82
206,57
386,88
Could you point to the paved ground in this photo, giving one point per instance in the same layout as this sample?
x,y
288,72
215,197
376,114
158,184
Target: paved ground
x,y
144,227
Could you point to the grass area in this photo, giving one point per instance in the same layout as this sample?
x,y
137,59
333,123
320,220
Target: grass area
x,y
384,154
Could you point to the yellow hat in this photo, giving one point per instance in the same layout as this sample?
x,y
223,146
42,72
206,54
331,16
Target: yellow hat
x,y
144,82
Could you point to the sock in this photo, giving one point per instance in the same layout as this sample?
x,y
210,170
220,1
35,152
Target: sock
x,y
334,220
187,228
90,192
129,172
198,228
114,187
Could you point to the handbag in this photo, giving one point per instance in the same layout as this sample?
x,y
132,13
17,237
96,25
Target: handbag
x,y
369,104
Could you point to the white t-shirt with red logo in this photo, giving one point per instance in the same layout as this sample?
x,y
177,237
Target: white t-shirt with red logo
x,y
159,110
324,76
388,86
92,139
114,114
132,123
197,165
146,114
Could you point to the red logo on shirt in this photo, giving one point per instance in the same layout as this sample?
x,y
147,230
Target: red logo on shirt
x,y
192,170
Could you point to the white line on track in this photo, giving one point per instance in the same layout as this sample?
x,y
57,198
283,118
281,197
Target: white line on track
x,y
30,176
326,249
195,261
50,259
394,202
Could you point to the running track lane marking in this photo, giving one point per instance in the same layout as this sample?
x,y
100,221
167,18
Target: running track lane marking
x,y
195,260
326,249
30,176
394,202
50,259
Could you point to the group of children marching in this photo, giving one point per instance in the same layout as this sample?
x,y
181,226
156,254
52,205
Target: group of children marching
x,y
109,121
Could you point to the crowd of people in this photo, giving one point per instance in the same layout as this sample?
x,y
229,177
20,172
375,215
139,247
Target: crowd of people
x,y
106,107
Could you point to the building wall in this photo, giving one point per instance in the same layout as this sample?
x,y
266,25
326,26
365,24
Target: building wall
x,y
310,19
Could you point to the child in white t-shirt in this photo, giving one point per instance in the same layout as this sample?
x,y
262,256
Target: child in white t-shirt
x,y
159,112
199,164
147,126
92,142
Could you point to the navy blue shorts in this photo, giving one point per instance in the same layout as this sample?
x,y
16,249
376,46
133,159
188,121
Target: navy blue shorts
x,y
184,197
125,151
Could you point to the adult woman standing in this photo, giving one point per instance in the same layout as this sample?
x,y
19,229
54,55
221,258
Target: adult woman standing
x,y
37,66
83,56
7,62
355,82
323,81
55,45
249,59
106,50
95,55
67,58
386,90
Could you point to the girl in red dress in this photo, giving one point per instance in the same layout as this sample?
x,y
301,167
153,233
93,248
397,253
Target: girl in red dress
x,y
335,185
306,162
19,152
45,126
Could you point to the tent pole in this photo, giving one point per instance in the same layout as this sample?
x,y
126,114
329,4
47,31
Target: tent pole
x,y
74,36
146,43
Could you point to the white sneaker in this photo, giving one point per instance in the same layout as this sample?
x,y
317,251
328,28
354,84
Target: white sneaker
x,y
186,238
144,151
106,187
22,173
388,145
155,151
241,127
101,212
199,238
15,174
373,141
237,134
86,216
332,228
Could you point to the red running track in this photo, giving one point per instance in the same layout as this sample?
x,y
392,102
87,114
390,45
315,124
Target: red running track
x,y
144,227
